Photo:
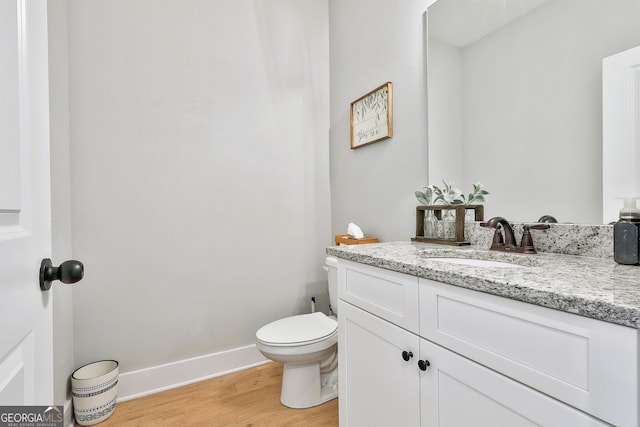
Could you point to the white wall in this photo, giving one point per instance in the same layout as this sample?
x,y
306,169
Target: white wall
x,y
60,201
373,42
445,100
199,166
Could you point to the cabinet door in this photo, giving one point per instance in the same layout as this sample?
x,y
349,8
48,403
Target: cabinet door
x,y
377,386
456,391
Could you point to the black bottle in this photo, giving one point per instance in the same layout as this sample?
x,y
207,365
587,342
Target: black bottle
x,y
626,235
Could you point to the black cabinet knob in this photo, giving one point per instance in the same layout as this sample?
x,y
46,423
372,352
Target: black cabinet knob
x,y
423,365
68,272
406,355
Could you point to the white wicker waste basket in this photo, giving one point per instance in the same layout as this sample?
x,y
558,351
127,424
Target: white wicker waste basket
x,y
94,388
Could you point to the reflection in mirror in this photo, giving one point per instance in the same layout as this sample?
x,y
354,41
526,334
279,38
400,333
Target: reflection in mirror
x,y
515,100
620,130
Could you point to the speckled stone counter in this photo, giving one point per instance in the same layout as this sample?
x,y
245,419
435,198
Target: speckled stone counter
x,y
568,239
593,287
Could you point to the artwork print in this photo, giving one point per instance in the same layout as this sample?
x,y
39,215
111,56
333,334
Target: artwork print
x,y
371,116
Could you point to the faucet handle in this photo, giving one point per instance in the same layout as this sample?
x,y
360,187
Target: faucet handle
x,y
527,241
498,240
547,218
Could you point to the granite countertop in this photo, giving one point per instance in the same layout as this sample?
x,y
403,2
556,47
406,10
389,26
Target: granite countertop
x,y
593,287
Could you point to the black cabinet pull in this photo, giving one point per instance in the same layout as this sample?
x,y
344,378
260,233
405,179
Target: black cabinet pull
x,y
423,365
406,355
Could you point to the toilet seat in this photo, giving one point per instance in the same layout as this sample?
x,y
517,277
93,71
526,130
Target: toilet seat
x,y
303,329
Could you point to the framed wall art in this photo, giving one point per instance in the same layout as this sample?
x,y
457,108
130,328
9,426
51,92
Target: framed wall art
x,y
371,116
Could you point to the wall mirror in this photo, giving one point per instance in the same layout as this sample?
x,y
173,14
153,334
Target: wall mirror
x,y
515,100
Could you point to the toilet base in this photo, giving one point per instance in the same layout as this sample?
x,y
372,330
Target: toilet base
x,y
304,386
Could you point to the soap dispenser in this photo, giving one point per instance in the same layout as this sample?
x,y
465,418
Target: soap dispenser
x,y
626,234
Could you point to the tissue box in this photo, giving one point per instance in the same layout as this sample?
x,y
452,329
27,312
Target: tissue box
x,y
347,239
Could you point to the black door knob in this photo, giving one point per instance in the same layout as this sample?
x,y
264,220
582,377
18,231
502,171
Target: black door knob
x,y
68,272
423,365
406,355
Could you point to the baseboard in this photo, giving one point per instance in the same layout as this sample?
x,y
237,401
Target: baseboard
x,y
69,419
154,379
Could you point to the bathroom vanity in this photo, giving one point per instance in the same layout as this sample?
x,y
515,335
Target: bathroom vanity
x,y
430,336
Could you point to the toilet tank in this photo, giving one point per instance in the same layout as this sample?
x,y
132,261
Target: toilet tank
x,y
332,280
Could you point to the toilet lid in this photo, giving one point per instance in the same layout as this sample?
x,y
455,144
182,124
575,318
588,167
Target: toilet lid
x,y
297,329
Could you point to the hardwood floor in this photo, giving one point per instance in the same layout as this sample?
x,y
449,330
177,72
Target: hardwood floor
x,y
249,398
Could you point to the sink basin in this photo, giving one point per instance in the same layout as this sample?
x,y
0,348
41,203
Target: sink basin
x,y
479,258
472,262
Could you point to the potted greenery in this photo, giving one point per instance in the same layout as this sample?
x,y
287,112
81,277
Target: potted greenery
x,y
450,195
445,200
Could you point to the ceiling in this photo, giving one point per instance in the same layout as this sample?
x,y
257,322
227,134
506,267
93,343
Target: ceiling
x,y
463,22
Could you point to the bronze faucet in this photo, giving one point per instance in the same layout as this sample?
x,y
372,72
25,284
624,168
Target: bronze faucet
x,y
508,244
509,239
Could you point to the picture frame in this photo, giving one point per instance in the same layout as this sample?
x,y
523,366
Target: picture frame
x,y
372,116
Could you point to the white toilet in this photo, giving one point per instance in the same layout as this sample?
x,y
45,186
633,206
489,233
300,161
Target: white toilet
x,y
307,345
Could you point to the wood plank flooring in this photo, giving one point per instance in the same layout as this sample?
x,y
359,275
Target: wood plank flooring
x,y
249,398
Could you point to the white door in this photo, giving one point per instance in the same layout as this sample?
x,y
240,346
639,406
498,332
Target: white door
x,y
621,130
26,356
379,376
455,391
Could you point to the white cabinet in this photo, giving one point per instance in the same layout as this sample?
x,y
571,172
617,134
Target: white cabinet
x,y
387,294
456,392
377,386
589,364
492,361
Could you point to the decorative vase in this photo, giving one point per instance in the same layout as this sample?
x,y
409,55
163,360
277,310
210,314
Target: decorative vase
x,y
430,222
449,225
469,215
